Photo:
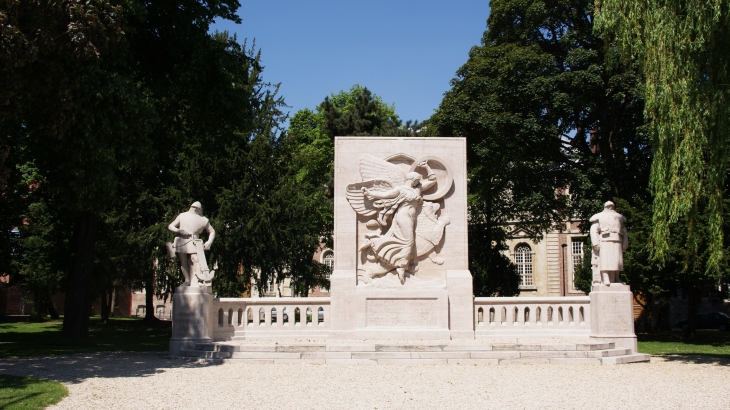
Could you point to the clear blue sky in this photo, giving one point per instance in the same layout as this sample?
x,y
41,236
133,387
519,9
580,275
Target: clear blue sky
x,y
405,51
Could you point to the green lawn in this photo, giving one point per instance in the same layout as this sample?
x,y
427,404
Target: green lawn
x,y
706,343
24,339
29,393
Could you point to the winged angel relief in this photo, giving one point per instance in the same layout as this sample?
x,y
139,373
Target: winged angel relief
x,y
409,226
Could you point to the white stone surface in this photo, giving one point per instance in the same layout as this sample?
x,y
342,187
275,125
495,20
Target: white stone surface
x,y
612,315
461,304
372,168
192,318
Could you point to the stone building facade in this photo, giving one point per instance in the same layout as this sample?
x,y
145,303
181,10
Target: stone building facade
x,y
547,267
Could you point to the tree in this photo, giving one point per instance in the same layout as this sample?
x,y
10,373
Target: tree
x,y
550,129
79,106
683,44
360,112
681,48
72,118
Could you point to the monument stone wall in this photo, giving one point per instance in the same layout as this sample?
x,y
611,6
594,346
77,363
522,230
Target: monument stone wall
x,y
431,297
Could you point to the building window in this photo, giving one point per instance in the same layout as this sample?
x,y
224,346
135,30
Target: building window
x,y
329,259
523,261
576,256
577,252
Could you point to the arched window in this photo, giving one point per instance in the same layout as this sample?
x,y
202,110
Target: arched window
x,y
329,259
523,261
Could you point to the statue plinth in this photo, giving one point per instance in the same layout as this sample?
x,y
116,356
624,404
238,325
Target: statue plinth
x,y
612,315
191,318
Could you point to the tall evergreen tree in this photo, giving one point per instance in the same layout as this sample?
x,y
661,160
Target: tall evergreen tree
x,y
81,106
360,112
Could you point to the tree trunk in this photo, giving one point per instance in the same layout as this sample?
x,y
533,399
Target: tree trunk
x,y
693,305
149,300
78,292
52,306
648,300
105,299
112,302
40,304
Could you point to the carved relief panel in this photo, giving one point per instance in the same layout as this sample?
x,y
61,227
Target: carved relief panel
x,y
401,205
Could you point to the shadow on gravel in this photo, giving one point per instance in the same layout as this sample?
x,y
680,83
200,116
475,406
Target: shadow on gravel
x,y
76,368
696,359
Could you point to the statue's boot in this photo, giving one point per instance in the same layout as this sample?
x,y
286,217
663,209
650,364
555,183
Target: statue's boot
x,y
606,279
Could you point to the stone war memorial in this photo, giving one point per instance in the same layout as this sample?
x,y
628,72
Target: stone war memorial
x,y
401,290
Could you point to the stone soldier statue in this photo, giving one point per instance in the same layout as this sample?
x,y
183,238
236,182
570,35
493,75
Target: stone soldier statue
x,y
187,226
610,239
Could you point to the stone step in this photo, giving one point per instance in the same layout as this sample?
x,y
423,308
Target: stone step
x,y
500,355
626,359
412,361
289,348
205,354
495,353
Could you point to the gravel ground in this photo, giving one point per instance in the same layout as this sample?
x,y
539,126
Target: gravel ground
x,y
151,380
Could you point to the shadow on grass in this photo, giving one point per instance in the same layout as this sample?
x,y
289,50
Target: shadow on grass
x,y
45,338
76,368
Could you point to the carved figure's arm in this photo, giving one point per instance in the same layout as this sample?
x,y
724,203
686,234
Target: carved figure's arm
x,y
173,227
381,194
211,236
431,177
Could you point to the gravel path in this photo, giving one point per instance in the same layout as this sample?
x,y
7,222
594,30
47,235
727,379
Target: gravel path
x,y
150,380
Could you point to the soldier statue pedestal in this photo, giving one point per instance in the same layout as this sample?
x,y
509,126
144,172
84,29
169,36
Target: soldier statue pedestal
x,y
612,315
192,315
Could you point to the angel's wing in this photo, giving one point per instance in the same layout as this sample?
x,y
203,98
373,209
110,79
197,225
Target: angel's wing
x,y
359,202
372,168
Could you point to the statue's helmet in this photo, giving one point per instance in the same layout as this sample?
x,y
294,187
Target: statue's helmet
x,y
609,205
196,204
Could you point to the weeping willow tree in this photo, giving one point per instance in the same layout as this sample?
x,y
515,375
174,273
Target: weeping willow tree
x,y
682,47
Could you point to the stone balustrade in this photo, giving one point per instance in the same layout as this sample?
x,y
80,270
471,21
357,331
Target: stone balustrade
x,y
245,318
494,317
532,316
